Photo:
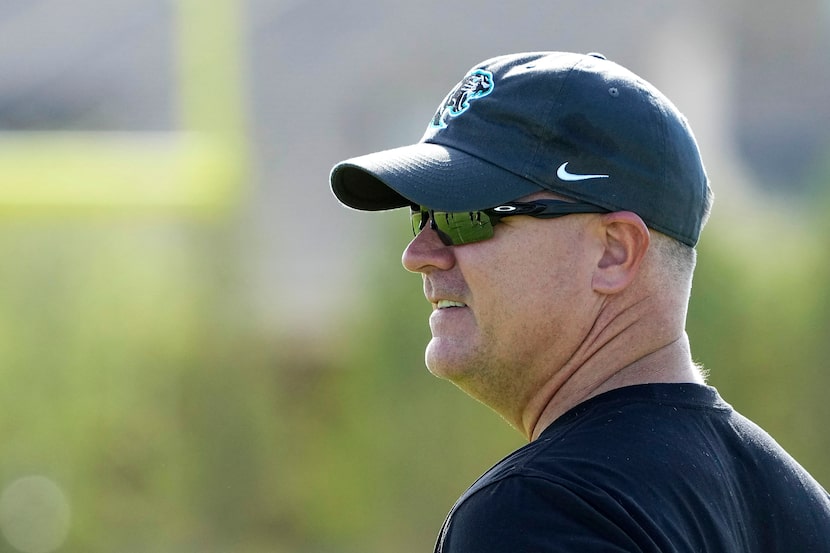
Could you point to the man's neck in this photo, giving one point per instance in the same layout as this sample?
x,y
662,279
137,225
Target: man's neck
x,y
670,363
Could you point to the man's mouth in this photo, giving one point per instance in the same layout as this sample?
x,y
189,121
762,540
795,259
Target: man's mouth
x,y
444,304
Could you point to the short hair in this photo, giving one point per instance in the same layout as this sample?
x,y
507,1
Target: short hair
x,y
675,257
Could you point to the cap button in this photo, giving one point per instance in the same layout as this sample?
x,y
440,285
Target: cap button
x,y
597,55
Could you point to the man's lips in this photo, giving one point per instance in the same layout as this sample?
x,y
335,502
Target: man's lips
x,y
445,294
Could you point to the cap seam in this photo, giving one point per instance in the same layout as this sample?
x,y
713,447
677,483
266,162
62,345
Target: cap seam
x,y
557,96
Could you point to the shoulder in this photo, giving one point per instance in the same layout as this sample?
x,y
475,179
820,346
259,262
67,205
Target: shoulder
x,y
599,480
608,478
536,512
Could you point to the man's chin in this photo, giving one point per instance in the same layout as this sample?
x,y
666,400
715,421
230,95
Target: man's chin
x,y
447,359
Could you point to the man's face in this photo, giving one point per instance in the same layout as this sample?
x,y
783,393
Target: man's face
x,y
508,312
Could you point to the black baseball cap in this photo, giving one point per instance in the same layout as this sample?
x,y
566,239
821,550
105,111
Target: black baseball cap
x,y
577,125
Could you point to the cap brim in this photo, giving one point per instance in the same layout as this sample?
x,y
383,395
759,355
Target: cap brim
x,y
426,174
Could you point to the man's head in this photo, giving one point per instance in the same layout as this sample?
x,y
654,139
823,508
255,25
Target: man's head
x,y
532,192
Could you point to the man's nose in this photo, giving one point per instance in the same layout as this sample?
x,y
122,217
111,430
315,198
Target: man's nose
x,y
426,252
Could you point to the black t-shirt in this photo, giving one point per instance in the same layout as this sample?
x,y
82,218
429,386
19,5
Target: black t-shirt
x,y
653,468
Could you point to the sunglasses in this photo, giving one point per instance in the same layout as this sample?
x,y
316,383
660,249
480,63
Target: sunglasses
x,y
466,227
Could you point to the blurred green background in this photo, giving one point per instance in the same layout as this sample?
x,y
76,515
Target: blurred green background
x,y
201,351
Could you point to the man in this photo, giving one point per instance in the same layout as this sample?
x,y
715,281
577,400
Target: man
x,y
556,202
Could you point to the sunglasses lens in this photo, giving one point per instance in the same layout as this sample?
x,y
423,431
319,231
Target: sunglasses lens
x,y
455,228
464,228
419,220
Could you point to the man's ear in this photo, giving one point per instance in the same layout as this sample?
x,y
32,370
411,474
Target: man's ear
x,y
625,239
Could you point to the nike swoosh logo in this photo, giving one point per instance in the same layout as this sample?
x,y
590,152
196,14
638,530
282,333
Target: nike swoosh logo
x,y
563,174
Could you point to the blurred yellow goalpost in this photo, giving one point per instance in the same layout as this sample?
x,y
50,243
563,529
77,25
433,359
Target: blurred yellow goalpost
x,y
200,166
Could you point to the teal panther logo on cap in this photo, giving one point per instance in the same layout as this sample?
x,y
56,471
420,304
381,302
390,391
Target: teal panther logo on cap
x,y
476,84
